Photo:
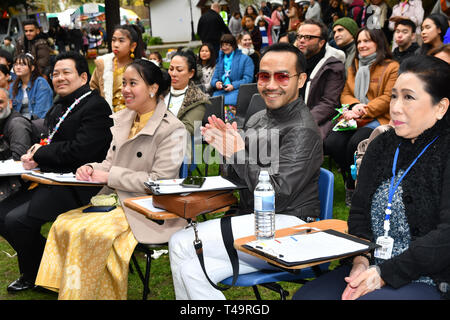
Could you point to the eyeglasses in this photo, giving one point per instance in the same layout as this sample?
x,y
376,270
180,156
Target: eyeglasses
x,y
307,37
282,78
65,74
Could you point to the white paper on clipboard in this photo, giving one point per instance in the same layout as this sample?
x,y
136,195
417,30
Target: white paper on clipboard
x,y
211,183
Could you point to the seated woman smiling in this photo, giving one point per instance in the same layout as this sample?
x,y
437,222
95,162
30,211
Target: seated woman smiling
x,y
87,254
401,200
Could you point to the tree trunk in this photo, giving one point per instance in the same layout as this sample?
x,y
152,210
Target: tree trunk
x,y
112,14
234,6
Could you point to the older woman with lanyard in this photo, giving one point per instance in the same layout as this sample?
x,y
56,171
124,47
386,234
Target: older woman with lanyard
x,y
401,200
87,254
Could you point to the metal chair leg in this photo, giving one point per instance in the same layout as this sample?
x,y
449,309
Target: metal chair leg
x,y
256,291
147,276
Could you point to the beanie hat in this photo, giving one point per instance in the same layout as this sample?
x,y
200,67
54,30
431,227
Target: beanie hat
x,y
349,24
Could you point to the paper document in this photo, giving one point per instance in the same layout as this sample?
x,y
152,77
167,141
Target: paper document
x,y
12,168
62,177
147,203
173,186
309,247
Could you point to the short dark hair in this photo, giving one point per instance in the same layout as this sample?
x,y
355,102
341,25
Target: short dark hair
x,y
80,62
408,23
150,73
229,38
434,72
321,25
4,69
8,56
435,75
300,65
30,22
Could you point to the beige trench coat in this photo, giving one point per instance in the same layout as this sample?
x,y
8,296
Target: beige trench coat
x,y
156,152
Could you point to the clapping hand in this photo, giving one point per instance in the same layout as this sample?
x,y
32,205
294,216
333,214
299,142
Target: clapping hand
x,y
224,137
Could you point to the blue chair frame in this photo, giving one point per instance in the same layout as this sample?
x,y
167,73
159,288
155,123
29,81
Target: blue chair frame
x,y
269,278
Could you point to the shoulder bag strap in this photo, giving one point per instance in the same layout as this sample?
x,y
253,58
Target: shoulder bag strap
x,y
228,240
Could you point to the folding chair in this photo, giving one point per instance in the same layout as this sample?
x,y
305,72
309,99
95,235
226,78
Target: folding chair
x,y
216,108
149,248
256,104
246,91
269,278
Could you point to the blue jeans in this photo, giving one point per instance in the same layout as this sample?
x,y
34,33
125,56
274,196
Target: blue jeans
x,y
331,285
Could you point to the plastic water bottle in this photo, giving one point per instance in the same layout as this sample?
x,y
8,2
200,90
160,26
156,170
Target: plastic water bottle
x,y
264,197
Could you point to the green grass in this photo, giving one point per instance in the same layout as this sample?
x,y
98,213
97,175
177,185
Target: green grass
x,y
161,287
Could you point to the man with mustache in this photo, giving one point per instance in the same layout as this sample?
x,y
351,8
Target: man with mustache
x,y
15,139
78,132
286,130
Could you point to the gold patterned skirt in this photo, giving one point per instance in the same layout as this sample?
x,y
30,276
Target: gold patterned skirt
x,y
87,256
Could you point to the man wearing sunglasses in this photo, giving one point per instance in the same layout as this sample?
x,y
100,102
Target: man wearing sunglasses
x,y
293,162
325,70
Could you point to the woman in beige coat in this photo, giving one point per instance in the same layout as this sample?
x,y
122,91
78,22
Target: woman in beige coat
x,y
87,254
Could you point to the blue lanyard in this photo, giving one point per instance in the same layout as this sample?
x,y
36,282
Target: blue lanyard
x,y
393,188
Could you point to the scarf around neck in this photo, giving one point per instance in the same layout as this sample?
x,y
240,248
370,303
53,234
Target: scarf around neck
x,y
362,78
228,58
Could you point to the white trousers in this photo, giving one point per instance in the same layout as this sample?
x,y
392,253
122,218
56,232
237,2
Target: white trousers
x,y
188,277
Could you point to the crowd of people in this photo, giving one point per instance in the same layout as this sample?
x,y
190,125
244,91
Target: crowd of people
x,y
331,74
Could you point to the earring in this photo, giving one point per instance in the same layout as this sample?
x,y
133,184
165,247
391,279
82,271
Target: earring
x,y
132,54
152,95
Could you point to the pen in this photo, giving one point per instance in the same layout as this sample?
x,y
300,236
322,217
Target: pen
x,y
171,182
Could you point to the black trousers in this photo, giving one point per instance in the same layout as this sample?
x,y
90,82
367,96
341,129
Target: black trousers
x,y
341,146
23,214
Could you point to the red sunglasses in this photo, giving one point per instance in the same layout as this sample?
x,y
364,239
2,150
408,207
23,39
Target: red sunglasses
x,y
263,77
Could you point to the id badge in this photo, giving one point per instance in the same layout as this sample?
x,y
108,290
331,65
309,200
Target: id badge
x,y
385,252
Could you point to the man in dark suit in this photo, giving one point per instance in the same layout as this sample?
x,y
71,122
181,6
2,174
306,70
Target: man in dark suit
x,y
78,127
211,27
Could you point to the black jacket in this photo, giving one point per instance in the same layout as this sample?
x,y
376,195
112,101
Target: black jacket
x,y
413,49
15,140
211,27
426,190
16,130
83,137
294,169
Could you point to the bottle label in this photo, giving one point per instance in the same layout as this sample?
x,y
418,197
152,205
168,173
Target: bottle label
x,y
264,201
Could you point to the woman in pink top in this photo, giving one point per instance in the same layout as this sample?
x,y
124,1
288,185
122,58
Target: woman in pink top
x,y
276,22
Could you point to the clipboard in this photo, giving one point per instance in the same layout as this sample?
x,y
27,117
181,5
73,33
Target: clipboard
x,y
173,186
10,168
273,249
58,179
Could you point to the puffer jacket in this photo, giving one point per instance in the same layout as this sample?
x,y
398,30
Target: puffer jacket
x,y
290,148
